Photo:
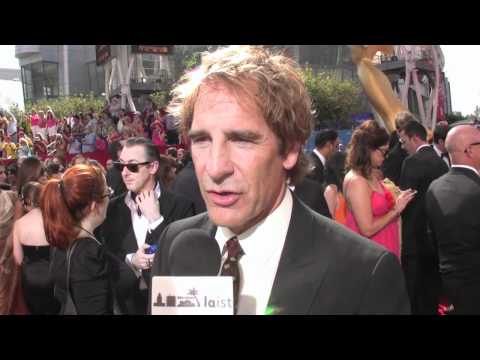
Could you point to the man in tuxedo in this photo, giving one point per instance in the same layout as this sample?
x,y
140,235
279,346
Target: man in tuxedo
x,y
392,165
114,176
453,208
186,184
419,255
326,143
136,219
439,136
248,117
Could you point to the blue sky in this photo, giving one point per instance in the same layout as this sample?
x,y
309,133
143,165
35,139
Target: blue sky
x,y
461,67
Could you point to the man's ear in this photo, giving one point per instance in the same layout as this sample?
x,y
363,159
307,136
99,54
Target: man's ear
x,y
291,157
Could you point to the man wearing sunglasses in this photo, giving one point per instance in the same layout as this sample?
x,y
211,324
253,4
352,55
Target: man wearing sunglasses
x,y
453,208
136,219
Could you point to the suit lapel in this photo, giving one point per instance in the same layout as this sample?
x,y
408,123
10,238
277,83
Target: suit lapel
x,y
300,270
125,222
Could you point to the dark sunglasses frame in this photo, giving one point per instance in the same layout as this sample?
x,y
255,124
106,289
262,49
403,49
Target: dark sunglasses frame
x,y
132,167
110,193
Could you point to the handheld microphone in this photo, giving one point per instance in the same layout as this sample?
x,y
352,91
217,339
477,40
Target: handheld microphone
x,y
194,253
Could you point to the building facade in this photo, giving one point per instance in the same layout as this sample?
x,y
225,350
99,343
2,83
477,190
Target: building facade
x,y
49,71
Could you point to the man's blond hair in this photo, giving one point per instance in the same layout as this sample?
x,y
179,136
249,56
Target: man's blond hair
x,y
270,80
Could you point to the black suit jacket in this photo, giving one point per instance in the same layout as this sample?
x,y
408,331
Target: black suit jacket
x,y
324,268
318,172
453,208
418,172
119,238
312,194
392,165
186,184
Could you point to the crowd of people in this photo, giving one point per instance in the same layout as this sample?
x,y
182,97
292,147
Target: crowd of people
x,y
387,226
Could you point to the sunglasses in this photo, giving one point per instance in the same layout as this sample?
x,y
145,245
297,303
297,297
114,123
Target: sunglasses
x,y
382,151
132,167
472,144
109,193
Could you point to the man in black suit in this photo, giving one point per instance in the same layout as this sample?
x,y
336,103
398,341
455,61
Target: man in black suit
x,y
312,194
326,143
248,120
439,137
186,184
392,165
136,219
419,259
453,208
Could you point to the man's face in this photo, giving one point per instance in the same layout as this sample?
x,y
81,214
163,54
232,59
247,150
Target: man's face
x,y
180,154
333,146
408,143
473,147
144,177
241,174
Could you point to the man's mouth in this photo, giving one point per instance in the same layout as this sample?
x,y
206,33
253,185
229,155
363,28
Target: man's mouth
x,y
223,198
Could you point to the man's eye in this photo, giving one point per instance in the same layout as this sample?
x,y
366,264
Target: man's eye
x,y
199,140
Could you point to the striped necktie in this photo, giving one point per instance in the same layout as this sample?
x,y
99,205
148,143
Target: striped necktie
x,y
230,266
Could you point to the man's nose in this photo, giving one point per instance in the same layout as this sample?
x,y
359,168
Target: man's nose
x,y
219,164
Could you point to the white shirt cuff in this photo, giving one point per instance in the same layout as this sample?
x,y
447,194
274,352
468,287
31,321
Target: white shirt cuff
x,y
152,226
128,260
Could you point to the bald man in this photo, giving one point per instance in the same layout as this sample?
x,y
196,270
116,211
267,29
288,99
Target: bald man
x,y
453,209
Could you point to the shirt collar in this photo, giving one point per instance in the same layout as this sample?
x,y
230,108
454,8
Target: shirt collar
x,y
437,150
466,167
422,146
320,156
262,239
131,203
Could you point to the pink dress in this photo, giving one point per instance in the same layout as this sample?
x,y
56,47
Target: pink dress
x,y
388,237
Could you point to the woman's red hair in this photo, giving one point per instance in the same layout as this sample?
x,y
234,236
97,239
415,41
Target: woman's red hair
x,y
64,203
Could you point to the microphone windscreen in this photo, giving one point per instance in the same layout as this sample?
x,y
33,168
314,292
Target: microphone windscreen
x,y
194,253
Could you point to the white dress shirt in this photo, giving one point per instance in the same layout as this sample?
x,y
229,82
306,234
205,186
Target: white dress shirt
x,y
439,153
140,223
262,245
466,167
320,156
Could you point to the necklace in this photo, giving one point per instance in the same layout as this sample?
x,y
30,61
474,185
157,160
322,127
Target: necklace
x,y
90,234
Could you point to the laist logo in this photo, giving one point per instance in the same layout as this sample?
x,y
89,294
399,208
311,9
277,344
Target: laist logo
x,y
192,299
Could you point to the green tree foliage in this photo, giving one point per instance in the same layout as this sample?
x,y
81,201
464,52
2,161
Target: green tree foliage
x,y
334,101
61,106
455,116
161,98
186,58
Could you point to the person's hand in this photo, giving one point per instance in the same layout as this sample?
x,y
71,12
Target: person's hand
x,y
403,199
149,205
141,260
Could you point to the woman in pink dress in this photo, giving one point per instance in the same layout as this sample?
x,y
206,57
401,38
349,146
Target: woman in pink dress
x,y
372,211
34,123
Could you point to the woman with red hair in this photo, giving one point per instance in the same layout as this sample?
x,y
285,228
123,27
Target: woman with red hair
x,y
72,209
